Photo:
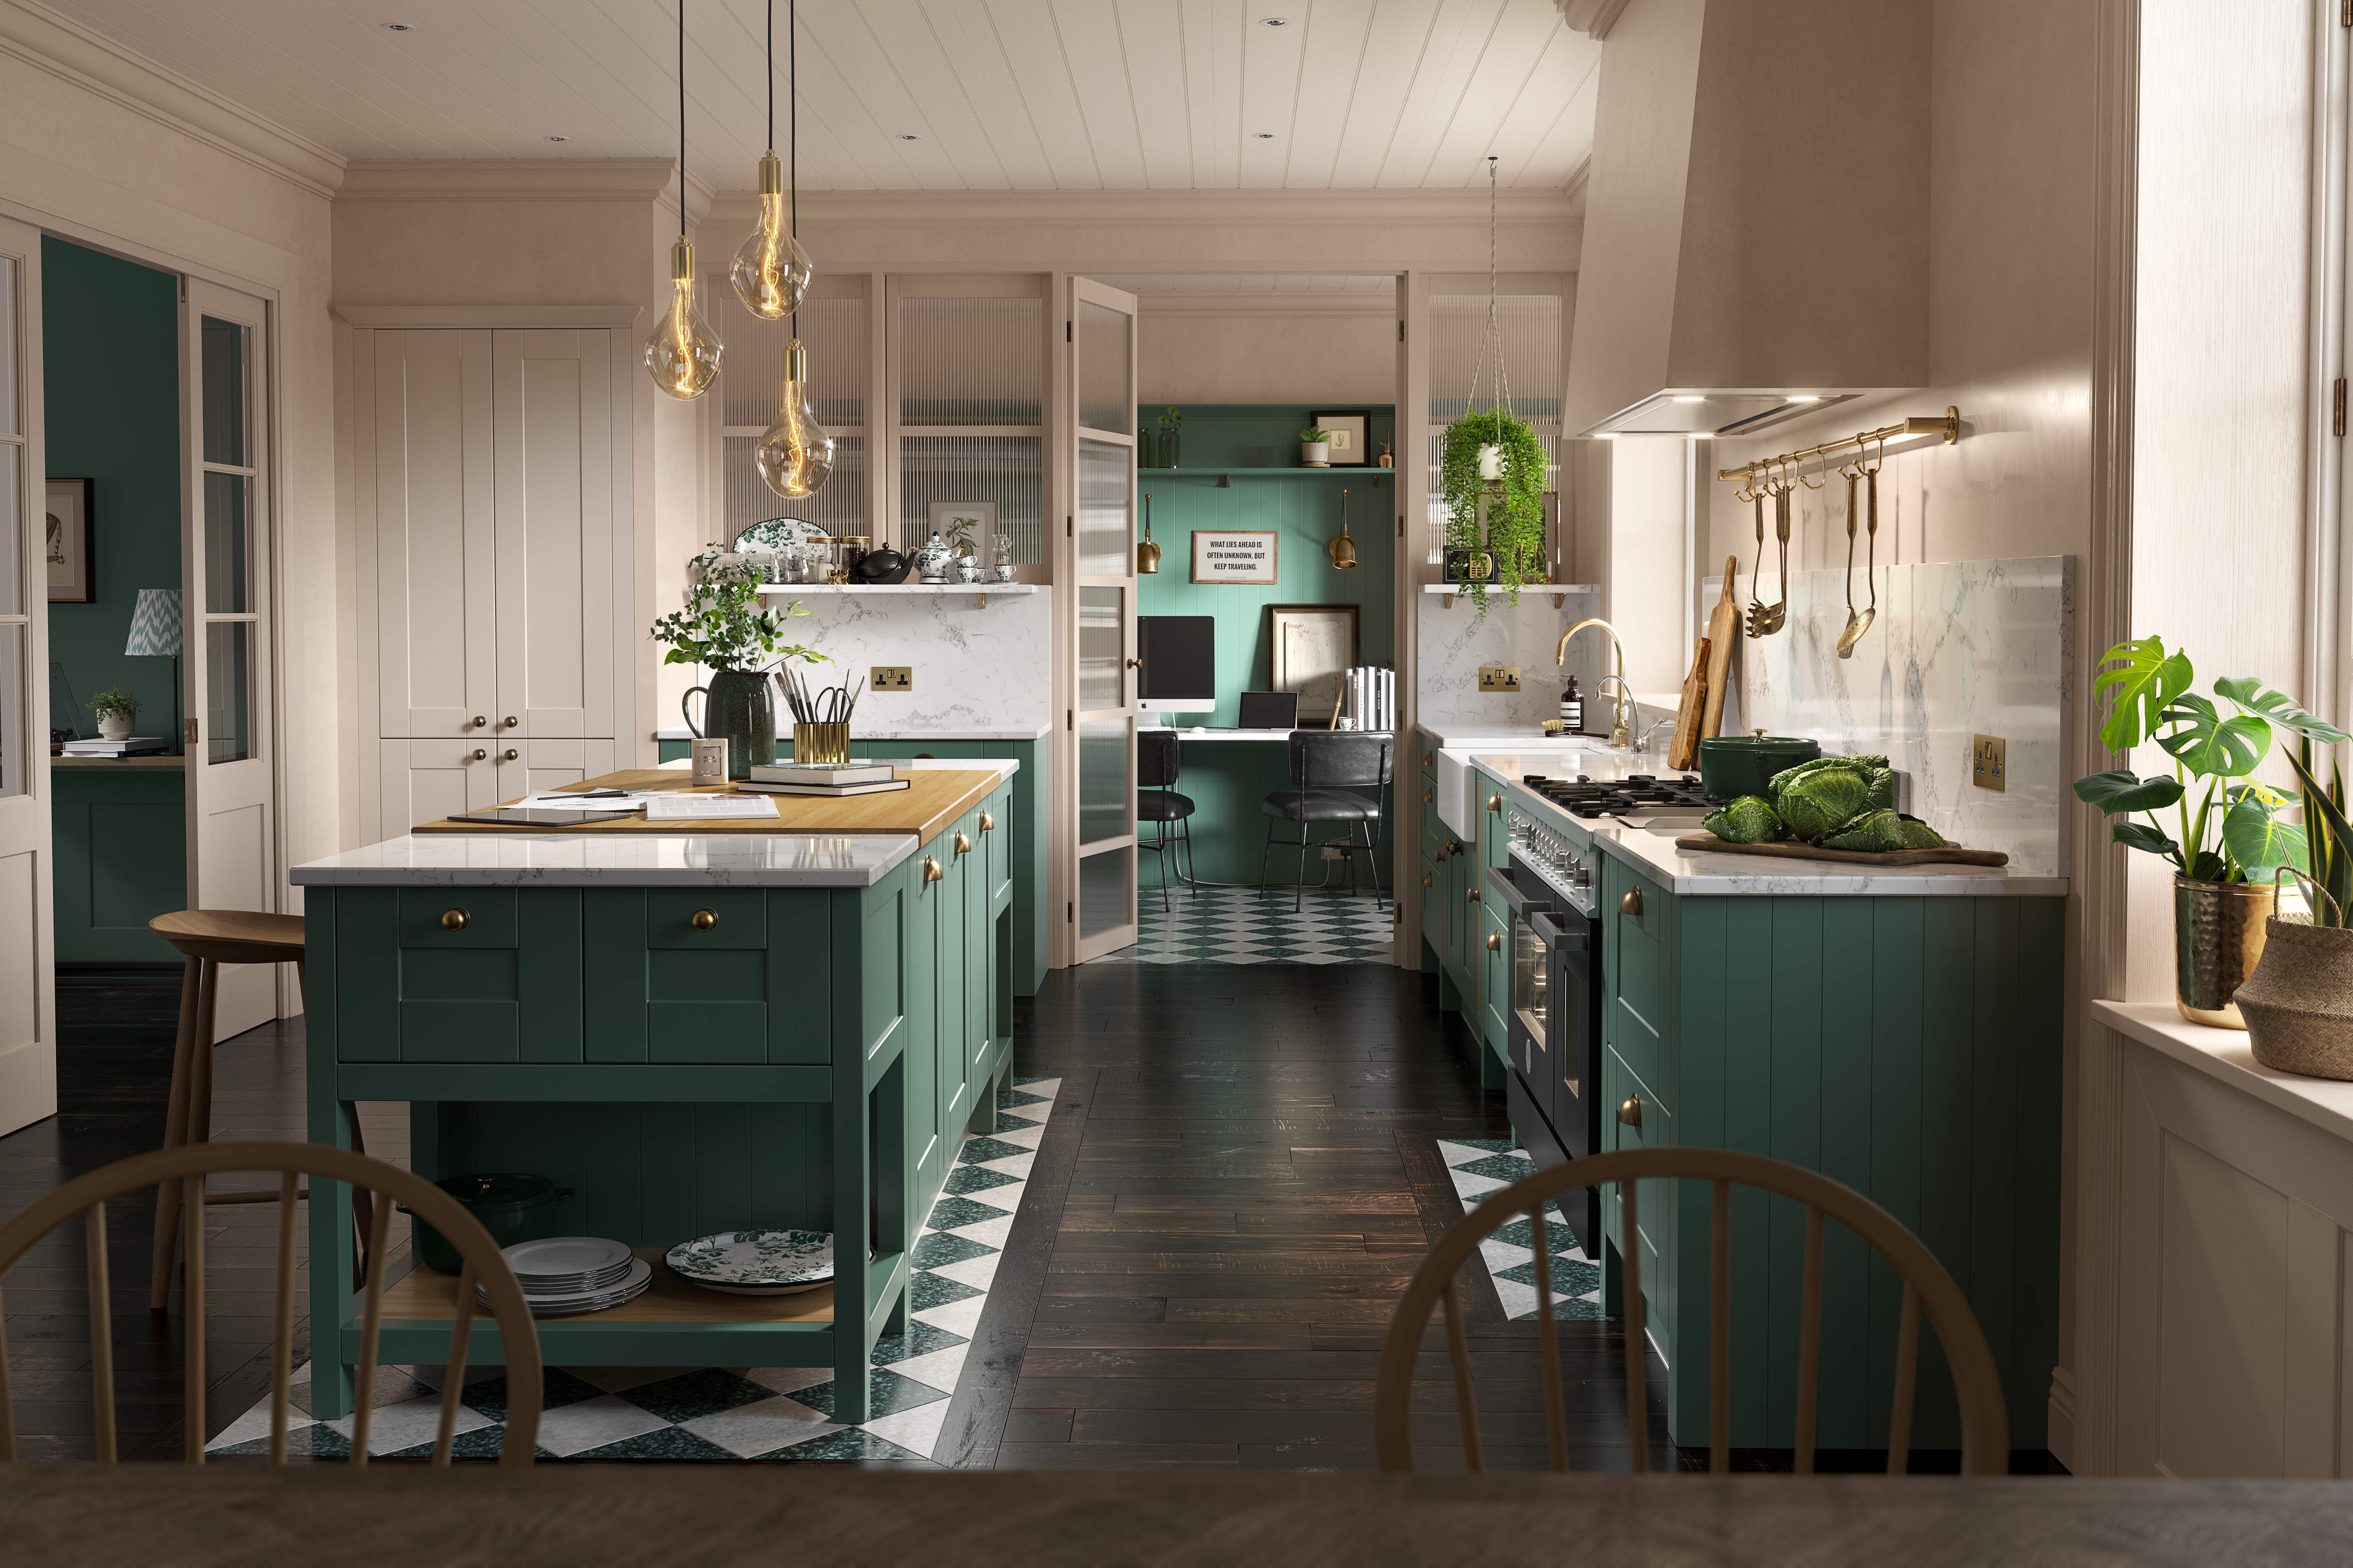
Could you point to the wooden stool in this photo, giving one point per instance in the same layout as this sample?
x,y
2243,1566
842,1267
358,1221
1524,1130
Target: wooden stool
x,y
208,939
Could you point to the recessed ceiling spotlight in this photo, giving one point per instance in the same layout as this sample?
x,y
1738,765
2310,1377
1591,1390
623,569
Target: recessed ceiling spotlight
x,y
909,136
1690,398
559,138
1264,136
396,26
1805,397
1274,21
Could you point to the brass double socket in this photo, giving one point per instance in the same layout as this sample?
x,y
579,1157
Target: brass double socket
x,y
1498,677
1990,762
892,677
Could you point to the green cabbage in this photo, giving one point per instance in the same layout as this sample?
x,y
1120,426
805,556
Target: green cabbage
x,y
1883,830
1824,796
1751,819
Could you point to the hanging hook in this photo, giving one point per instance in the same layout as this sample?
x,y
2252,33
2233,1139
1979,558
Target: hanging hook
x,y
1877,463
1814,484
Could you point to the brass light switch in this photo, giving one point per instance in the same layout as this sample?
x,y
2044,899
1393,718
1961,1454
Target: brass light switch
x,y
892,677
1498,677
1990,762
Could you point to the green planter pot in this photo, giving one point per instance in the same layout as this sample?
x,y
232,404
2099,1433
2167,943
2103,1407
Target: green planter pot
x,y
738,706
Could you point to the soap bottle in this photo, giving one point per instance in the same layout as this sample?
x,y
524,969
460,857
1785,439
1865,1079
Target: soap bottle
x,y
1572,709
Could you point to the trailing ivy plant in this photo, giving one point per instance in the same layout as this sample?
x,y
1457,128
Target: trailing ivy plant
x,y
724,626
1515,531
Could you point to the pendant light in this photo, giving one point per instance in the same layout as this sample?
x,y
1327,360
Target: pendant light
x,y
796,456
771,271
1147,554
682,356
1343,550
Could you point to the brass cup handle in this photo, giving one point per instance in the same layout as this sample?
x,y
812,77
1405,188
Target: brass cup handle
x,y
1495,804
1426,878
1630,1113
932,872
454,919
512,722
479,754
703,919
480,720
1428,796
1494,943
988,823
511,753
1632,904
964,843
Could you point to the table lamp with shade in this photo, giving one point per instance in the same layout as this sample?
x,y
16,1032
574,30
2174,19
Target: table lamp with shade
x,y
155,632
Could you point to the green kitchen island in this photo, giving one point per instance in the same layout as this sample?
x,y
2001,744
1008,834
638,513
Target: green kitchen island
x,y
694,1033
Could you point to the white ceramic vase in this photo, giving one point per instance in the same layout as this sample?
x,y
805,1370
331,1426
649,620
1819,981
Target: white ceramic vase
x,y
114,726
1316,454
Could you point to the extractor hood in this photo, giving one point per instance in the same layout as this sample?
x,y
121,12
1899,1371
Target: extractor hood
x,y
1756,215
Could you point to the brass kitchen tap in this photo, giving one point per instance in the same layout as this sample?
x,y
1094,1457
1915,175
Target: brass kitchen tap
x,y
1622,733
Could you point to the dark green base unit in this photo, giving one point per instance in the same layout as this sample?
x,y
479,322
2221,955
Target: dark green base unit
x,y
121,859
809,1057
1457,921
1029,813
1906,1047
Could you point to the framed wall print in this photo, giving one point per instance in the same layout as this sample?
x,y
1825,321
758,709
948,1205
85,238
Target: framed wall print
x,y
67,544
1309,650
1351,429
968,522
1235,555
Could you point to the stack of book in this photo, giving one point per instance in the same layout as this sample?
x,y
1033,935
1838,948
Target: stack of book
x,y
136,746
824,779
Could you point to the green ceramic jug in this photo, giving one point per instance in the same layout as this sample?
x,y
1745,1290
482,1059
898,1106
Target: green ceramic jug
x,y
739,705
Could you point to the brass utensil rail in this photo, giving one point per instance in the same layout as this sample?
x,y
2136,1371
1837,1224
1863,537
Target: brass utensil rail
x,y
1947,425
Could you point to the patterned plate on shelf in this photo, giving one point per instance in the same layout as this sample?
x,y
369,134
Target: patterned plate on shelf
x,y
783,536
755,1262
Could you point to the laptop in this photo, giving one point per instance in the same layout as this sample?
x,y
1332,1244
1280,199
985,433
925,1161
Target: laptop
x,y
1269,710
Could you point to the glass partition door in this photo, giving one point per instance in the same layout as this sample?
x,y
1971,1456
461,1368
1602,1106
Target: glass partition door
x,y
1102,605
28,1054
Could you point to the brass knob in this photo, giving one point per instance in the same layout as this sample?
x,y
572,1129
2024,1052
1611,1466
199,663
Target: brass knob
x,y
513,721
1426,878
1135,664
964,843
988,823
1454,846
1630,1113
703,919
1429,759
1428,796
479,754
454,919
1494,943
1495,804
511,753
932,872
1632,904
480,720
1469,895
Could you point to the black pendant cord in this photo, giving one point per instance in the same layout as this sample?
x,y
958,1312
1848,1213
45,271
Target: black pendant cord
x,y
681,119
772,73
793,110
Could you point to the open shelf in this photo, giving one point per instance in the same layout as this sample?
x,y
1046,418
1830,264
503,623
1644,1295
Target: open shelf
x,y
427,1295
1557,592
1224,474
979,590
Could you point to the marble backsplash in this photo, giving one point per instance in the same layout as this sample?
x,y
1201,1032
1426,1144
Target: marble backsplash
x,y
1959,648
975,667
1454,642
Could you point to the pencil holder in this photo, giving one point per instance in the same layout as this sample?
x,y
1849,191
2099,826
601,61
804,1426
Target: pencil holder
x,y
821,743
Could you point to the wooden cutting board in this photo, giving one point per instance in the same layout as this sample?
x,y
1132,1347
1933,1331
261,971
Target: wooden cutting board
x,y
1683,752
934,799
1709,843
1722,631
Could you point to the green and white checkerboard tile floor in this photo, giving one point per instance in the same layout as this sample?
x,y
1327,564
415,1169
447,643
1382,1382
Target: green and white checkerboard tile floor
x,y
1478,1166
735,1413
1235,925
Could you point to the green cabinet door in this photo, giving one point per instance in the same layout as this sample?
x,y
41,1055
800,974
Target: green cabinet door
x,y
458,974
1493,958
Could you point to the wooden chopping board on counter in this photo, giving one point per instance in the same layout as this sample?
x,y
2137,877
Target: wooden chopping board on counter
x,y
1722,631
934,799
1709,843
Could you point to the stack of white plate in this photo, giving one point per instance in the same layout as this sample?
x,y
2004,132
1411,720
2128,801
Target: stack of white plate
x,y
565,1274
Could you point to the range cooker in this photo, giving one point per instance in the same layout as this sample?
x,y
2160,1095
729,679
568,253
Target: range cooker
x,y
1586,797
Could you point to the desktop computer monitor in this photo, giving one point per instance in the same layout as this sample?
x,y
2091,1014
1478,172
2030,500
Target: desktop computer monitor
x,y
1180,663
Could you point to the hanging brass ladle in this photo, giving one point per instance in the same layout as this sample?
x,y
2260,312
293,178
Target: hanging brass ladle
x,y
1859,622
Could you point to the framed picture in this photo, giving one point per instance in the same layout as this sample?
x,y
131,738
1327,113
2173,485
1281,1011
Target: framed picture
x,y
67,546
1352,430
1309,650
1235,555
975,519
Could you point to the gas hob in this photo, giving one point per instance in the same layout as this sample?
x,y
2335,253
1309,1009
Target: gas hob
x,y
1586,797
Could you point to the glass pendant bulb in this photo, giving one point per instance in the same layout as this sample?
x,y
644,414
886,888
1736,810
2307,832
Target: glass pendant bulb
x,y
796,456
682,356
771,271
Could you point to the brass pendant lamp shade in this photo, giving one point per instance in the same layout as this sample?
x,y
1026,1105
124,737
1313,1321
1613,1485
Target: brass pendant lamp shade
x,y
1147,554
1343,550
682,356
771,271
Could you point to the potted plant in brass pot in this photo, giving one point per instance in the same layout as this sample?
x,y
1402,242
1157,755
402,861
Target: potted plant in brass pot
x,y
2221,830
2298,1004
725,625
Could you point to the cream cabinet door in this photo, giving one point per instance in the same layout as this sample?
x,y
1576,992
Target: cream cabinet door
x,y
552,765
551,405
421,781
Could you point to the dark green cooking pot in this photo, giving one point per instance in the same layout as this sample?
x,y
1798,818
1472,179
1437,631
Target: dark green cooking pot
x,y
1734,766
511,1205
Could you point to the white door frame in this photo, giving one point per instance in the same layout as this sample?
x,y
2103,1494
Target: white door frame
x,y
28,1036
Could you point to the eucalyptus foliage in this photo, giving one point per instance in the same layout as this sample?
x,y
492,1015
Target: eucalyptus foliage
x,y
724,624
1514,530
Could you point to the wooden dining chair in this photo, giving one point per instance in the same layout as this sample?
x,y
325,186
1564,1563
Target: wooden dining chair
x,y
1977,1383
186,1168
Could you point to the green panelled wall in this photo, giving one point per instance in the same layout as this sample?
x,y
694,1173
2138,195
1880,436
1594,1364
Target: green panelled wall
x,y
121,859
111,381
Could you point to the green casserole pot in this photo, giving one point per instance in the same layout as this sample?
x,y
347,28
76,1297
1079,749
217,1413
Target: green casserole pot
x,y
1732,765
513,1207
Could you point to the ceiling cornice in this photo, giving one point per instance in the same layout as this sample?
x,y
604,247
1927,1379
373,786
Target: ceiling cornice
x,y
1594,19
1171,209
95,63
511,180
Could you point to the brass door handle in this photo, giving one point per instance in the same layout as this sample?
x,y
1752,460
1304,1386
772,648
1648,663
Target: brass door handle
x,y
511,753
1428,796
703,919
1494,943
479,754
964,843
1135,664
1632,904
988,823
1426,878
480,720
1495,804
454,919
1630,1113
512,722
932,872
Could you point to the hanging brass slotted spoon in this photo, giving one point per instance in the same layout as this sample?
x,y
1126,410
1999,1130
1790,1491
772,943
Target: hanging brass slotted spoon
x,y
1756,574
1766,619
1858,623
1853,633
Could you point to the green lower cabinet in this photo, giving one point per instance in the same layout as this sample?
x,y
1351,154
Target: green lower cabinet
x,y
1909,1047
120,838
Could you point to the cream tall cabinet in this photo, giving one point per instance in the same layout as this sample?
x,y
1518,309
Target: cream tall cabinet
x,y
492,471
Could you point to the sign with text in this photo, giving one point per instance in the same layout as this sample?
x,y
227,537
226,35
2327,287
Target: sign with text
x,y
1233,555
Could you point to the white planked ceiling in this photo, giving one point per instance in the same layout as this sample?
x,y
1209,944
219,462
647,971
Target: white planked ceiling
x,y
1003,94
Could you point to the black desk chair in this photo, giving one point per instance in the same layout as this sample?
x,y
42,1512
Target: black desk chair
x,y
1329,769
1157,802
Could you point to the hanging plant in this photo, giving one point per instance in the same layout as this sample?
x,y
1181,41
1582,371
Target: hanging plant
x,y
1515,523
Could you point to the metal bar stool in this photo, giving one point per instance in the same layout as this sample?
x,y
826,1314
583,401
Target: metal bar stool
x,y
208,939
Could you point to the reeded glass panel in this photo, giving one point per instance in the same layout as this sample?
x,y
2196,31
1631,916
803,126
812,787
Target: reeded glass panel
x,y
8,346
1106,523
1000,469
1532,366
1103,649
229,529
15,742
833,335
224,378
1106,395
1106,892
12,537
228,691
1106,780
838,506
970,362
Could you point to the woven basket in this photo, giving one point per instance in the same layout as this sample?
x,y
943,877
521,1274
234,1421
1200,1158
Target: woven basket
x,y
2298,1004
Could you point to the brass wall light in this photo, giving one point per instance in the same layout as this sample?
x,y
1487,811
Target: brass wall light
x,y
1147,554
1343,550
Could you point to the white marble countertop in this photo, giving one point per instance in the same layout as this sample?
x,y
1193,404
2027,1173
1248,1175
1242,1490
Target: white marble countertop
x,y
2227,1054
1740,876
577,860
928,732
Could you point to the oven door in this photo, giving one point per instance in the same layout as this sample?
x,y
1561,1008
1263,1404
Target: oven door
x,y
1571,1095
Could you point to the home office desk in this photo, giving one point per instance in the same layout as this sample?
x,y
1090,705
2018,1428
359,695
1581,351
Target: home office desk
x,y
1228,773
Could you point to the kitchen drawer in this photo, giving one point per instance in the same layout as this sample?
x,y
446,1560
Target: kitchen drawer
x,y
750,990
1494,823
433,918
738,918
504,986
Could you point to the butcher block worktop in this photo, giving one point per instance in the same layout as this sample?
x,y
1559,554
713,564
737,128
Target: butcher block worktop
x,y
935,798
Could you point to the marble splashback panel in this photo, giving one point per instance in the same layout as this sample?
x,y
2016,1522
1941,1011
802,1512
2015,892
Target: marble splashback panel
x,y
975,667
1453,642
1959,648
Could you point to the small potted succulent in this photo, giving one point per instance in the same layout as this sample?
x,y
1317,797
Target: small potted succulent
x,y
1315,447
117,711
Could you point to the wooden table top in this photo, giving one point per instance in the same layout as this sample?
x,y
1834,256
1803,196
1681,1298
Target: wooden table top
x,y
737,1516
934,798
